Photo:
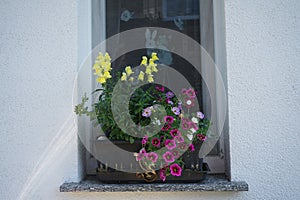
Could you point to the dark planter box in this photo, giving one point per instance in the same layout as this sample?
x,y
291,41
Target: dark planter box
x,y
194,169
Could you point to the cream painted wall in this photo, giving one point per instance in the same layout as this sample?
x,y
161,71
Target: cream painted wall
x,y
40,53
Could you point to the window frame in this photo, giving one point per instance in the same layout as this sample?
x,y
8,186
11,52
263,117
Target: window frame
x,y
219,164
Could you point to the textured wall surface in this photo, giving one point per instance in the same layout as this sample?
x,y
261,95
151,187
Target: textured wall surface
x,y
39,59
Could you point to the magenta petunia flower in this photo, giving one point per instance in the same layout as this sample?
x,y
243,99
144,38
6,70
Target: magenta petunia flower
x,y
194,126
201,137
168,157
147,112
176,110
175,170
141,154
182,146
168,101
175,153
200,115
178,139
175,132
152,156
169,95
169,119
155,142
183,91
160,88
162,175
185,125
166,127
170,144
191,93
144,140
192,147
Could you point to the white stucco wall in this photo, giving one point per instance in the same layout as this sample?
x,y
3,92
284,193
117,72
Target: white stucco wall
x,y
39,58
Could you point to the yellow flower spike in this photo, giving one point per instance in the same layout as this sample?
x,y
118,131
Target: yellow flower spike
x,y
131,79
150,78
154,56
124,77
141,76
128,70
107,57
144,61
154,69
148,70
107,75
101,79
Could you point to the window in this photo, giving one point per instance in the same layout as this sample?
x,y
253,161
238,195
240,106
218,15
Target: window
x,y
200,20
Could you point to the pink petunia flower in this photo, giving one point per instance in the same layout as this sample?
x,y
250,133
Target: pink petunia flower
x,y
175,132
160,88
175,170
182,146
162,176
170,144
191,93
194,126
169,119
183,91
152,156
155,142
201,137
185,125
178,139
175,153
166,127
168,157
144,140
192,147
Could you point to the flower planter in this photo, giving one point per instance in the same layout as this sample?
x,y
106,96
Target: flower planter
x,y
194,168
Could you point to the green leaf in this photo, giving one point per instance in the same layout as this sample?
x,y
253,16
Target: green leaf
x,y
131,140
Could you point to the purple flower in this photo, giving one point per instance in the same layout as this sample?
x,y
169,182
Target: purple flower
x,y
162,176
169,102
169,95
160,88
201,137
176,110
169,119
170,144
155,142
192,147
168,157
180,105
175,132
152,156
147,112
175,170
200,115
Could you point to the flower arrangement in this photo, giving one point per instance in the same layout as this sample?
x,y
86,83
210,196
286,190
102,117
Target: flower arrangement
x,y
180,131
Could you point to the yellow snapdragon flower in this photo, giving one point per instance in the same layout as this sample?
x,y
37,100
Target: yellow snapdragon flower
x,y
102,67
141,76
131,79
128,70
150,78
124,77
154,56
144,61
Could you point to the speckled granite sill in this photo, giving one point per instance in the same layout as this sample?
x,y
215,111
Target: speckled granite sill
x,y
211,183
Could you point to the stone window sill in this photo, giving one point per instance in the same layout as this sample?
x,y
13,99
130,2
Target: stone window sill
x,y
210,183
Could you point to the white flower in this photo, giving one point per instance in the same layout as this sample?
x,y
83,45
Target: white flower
x,y
158,122
193,130
195,120
188,102
190,136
